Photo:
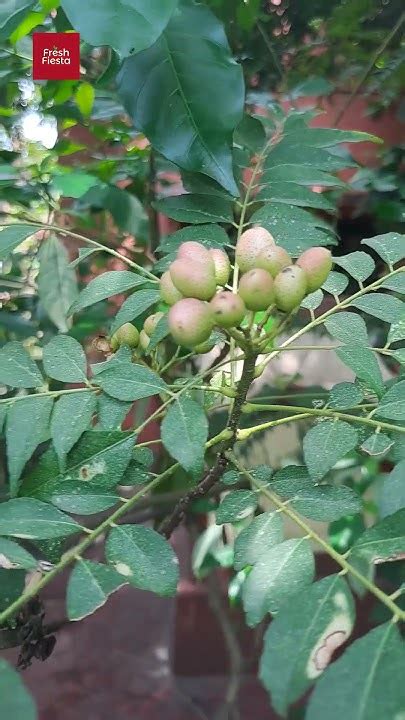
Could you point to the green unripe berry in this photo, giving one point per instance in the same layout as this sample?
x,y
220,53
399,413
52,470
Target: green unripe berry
x,y
190,322
317,264
228,308
192,250
222,266
151,322
144,340
256,288
168,291
127,334
194,279
290,287
273,259
250,245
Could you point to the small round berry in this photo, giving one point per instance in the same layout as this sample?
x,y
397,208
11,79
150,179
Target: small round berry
x,y
194,279
228,308
249,245
190,322
273,259
127,334
192,250
144,340
256,288
151,322
168,291
317,264
222,265
290,287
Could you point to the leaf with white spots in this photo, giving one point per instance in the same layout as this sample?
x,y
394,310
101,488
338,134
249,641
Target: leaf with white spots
x,y
384,541
392,404
15,557
345,395
17,369
364,365
335,283
283,570
302,638
64,360
135,305
185,432
72,415
381,305
366,683
104,286
235,506
358,264
27,426
127,381
326,502
390,246
89,587
260,535
377,445
111,412
347,327
391,492
31,519
325,444
144,557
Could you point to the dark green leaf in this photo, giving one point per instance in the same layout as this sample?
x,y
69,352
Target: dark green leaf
x,y
390,247
171,93
130,382
301,174
392,404
111,412
104,286
212,236
89,587
377,445
257,538
13,556
128,26
74,184
13,235
366,682
184,433
72,415
64,360
345,395
196,209
57,286
301,639
295,194
160,332
15,700
27,426
384,541
347,327
282,571
31,519
290,480
325,444
364,365
326,503
382,306
392,491
144,557
358,264
328,137
134,306
335,283
236,505
17,369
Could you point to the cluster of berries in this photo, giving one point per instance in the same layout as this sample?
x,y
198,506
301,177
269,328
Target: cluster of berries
x,y
194,288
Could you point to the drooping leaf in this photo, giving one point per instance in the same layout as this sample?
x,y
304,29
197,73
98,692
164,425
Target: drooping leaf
x,y
135,305
235,506
64,360
127,381
89,587
380,305
17,369
31,519
128,26
184,433
390,246
345,395
15,557
144,558
377,445
207,542
347,327
366,682
300,641
283,570
384,541
326,503
171,93
260,535
392,403
358,264
71,416
13,235
57,286
104,286
325,444
196,208
15,700
27,426
364,365
391,493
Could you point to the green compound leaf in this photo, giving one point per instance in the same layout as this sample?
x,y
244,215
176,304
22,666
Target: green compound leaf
x,y
283,570
104,286
17,369
15,700
260,535
144,558
327,443
31,519
347,327
301,639
366,683
89,587
235,506
64,360
27,426
184,433
186,94
72,415
128,26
